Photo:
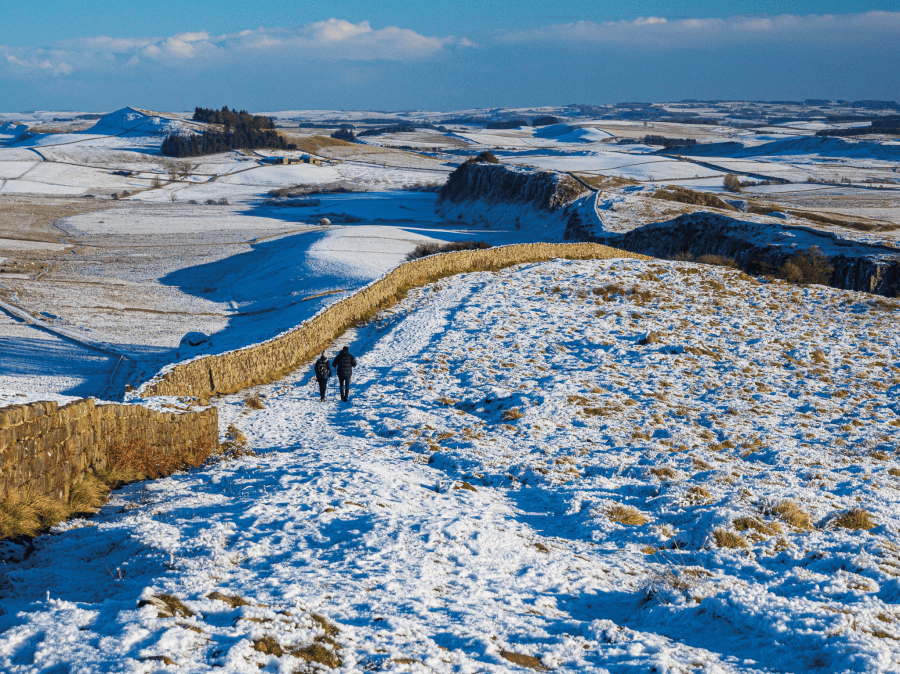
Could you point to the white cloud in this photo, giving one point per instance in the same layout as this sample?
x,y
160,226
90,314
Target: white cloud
x,y
35,63
331,40
658,32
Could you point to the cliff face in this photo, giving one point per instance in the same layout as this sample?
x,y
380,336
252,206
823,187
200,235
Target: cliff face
x,y
499,195
557,207
541,190
857,266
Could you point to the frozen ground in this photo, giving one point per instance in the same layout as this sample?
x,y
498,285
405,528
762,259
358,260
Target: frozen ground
x,y
142,271
517,473
139,277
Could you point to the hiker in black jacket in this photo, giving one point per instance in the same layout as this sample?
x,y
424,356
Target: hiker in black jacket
x,y
343,365
323,373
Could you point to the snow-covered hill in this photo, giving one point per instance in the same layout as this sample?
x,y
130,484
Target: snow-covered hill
x,y
585,466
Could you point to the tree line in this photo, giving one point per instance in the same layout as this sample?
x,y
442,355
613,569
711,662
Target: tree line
x,y
240,130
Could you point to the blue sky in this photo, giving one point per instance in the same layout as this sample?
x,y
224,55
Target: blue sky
x,y
455,54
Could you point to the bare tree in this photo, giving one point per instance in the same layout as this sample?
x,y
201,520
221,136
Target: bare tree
x,y
172,169
732,183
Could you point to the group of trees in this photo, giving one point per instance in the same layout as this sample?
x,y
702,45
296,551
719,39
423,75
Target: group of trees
x,y
669,142
393,128
232,118
511,124
239,130
889,124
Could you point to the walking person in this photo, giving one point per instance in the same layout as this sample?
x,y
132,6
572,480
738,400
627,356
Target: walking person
x,y
322,370
343,364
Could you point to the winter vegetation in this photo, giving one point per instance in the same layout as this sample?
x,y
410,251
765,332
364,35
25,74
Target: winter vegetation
x,y
680,455
239,130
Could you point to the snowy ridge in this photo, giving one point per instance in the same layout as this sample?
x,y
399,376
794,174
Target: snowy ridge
x,y
806,145
423,527
566,133
128,120
11,131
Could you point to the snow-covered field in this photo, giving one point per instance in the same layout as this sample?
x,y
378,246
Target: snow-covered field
x,y
144,276
161,261
551,461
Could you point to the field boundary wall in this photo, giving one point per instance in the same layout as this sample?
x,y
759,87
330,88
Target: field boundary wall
x,y
271,360
45,448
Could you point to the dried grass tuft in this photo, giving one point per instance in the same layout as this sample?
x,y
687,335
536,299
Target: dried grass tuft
x,y
751,523
318,653
19,517
728,539
87,495
154,461
28,517
626,515
524,660
235,601
268,646
512,414
698,493
254,402
664,473
790,513
856,519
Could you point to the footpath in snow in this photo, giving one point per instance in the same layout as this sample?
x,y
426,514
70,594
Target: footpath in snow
x,y
582,466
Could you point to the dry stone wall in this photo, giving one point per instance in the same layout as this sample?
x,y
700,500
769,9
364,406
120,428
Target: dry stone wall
x,y
271,360
45,449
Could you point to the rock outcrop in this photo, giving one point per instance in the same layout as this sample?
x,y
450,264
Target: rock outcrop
x,y
555,205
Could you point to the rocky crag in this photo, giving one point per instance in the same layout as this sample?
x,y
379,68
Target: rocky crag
x,y
557,206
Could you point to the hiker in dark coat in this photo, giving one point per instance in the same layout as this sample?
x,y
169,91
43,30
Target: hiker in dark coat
x,y
322,370
343,365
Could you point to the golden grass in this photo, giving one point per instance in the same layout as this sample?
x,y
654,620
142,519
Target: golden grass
x,y
856,519
728,539
626,515
664,473
323,650
153,461
751,523
28,517
316,652
175,605
315,144
87,495
19,517
234,601
790,513
268,646
698,493
512,414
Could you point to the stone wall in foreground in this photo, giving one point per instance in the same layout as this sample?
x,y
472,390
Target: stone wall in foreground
x,y
271,360
45,449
